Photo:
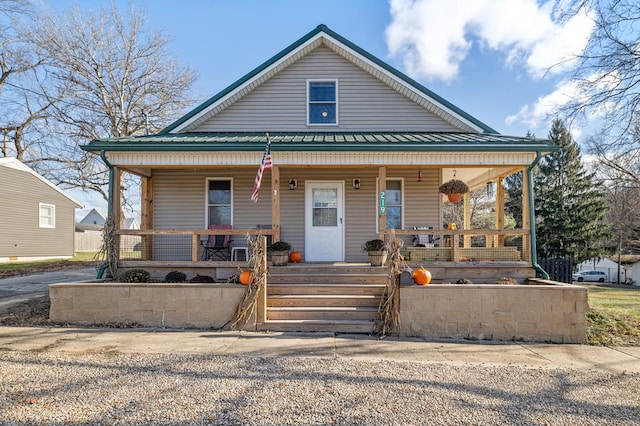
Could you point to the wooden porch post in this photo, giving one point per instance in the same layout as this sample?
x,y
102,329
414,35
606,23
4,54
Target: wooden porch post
x,y
526,243
275,202
467,217
146,216
499,239
382,215
116,207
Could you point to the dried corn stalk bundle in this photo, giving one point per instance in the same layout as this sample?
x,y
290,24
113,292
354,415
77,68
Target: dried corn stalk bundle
x,y
258,266
389,309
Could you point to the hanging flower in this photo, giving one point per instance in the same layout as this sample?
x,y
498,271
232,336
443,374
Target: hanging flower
x,y
454,186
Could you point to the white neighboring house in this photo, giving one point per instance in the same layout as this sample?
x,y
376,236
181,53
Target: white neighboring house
x,y
631,264
605,265
88,235
99,217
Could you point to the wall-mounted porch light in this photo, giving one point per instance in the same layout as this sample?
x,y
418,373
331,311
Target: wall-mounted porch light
x,y
293,184
419,175
356,183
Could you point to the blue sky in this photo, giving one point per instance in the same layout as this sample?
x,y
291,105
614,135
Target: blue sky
x,y
491,58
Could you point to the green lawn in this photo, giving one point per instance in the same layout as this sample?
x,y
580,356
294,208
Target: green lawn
x,y
79,257
614,315
616,301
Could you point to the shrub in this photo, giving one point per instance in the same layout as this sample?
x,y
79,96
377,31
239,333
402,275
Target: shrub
x,y
135,276
373,245
202,279
175,277
279,246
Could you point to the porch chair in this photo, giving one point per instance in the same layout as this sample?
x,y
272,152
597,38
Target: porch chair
x,y
424,239
217,247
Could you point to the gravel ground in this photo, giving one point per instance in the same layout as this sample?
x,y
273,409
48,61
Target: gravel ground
x,y
113,388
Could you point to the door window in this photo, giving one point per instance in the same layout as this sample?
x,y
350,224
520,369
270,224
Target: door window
x,y
325,206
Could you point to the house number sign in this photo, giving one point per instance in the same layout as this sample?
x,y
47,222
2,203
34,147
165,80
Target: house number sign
x,y
382,202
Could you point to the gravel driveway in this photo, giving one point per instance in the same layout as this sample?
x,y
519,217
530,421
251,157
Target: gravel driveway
x,y
116,388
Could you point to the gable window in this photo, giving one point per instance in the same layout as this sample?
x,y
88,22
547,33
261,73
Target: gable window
x,y
47,215
323,102
219,202
394,204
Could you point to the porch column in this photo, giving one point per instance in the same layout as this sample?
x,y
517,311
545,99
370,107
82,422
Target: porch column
x,y
116,207
526,224
275,202
146,216
382,216
466,208
498,240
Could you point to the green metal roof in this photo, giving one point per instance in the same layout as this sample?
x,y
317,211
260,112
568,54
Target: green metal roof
x,y
324,29
324,141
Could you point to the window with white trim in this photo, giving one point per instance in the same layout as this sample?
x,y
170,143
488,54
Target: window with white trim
x,y
47,215
322,102
394,203
219,202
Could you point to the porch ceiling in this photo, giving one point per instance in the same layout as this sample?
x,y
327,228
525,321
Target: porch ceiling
x,y
325,141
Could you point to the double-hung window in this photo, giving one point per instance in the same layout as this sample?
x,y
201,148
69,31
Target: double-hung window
x,y
47,215
219,202
394,204
323,102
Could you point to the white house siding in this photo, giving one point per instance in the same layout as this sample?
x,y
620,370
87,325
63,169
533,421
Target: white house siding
x,y
364,102
20,234
180,197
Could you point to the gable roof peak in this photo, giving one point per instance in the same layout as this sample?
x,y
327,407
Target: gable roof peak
x,y
323,35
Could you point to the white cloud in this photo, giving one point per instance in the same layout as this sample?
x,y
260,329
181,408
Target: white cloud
x,y
545,108
433,37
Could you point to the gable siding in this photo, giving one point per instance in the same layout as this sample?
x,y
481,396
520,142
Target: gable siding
x,y
180,197
20,233
365,103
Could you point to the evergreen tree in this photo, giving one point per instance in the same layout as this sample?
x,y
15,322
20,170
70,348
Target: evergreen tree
x,y
569,205
513,202
513,188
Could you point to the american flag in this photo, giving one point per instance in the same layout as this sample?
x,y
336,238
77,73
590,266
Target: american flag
x,y
265,164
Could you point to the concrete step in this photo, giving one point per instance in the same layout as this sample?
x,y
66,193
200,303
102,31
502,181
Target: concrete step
x,y
322,313
326,300
337,326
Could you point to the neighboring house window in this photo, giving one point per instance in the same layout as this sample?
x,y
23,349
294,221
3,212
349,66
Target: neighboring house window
x,y
394,204
47,213
323,102
219,202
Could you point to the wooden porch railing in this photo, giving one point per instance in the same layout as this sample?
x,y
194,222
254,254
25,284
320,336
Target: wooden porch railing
x,y
139,244
468,244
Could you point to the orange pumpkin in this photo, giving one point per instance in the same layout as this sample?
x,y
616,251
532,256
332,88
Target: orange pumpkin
x,y
246,277
421,276
295,257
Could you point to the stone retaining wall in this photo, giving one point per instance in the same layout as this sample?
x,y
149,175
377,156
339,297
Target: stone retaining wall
x,y
540,313
155,305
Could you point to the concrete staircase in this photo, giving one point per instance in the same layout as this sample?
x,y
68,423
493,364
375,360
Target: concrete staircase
x,y
332,298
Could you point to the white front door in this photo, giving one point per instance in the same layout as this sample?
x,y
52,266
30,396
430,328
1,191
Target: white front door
x,y
324,224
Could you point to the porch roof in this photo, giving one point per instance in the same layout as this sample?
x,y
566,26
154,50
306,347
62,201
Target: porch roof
x,y
325,141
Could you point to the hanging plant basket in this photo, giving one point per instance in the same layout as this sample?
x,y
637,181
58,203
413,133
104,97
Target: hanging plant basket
x,y
454,189
455,197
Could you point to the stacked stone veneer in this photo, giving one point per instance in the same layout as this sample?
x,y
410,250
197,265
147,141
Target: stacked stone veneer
x,y
553,313
155,305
